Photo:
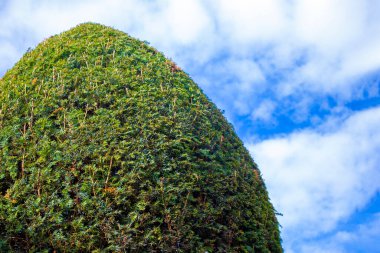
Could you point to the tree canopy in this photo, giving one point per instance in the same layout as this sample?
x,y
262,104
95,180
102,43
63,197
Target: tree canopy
x,y
108,146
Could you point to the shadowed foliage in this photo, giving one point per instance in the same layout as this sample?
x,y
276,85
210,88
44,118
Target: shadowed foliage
x,y
107,146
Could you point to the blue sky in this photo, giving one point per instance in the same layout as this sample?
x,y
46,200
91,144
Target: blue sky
x,y
298,79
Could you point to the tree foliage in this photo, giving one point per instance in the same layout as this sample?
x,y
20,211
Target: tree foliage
x,y
106,145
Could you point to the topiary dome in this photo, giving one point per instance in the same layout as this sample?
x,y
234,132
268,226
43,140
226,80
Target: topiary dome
x,y
107,146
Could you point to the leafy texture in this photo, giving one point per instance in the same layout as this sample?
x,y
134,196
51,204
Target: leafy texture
x,y
106,145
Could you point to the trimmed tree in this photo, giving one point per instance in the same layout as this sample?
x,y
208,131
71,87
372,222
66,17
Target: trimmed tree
x,y
106,145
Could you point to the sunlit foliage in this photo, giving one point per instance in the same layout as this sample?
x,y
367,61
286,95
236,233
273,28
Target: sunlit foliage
x,y
106,145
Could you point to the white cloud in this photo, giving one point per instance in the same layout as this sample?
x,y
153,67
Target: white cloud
x,y
342,37
264,112
329,24
364,59
251,21
367,235
318,178
8,53
235,79
186,20
363,237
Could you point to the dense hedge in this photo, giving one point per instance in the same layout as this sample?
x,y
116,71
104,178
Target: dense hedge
x,y
106,145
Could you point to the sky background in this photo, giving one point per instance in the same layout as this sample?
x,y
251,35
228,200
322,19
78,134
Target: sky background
x,y
298,79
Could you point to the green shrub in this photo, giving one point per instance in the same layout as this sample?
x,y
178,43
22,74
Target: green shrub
x,y
106,145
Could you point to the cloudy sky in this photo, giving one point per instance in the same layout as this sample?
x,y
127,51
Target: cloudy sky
x,y
299,80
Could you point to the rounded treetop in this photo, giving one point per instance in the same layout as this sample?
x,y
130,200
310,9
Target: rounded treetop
x,y
106,145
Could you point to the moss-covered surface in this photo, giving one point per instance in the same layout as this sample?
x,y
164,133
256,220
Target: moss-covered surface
x,y
106,145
